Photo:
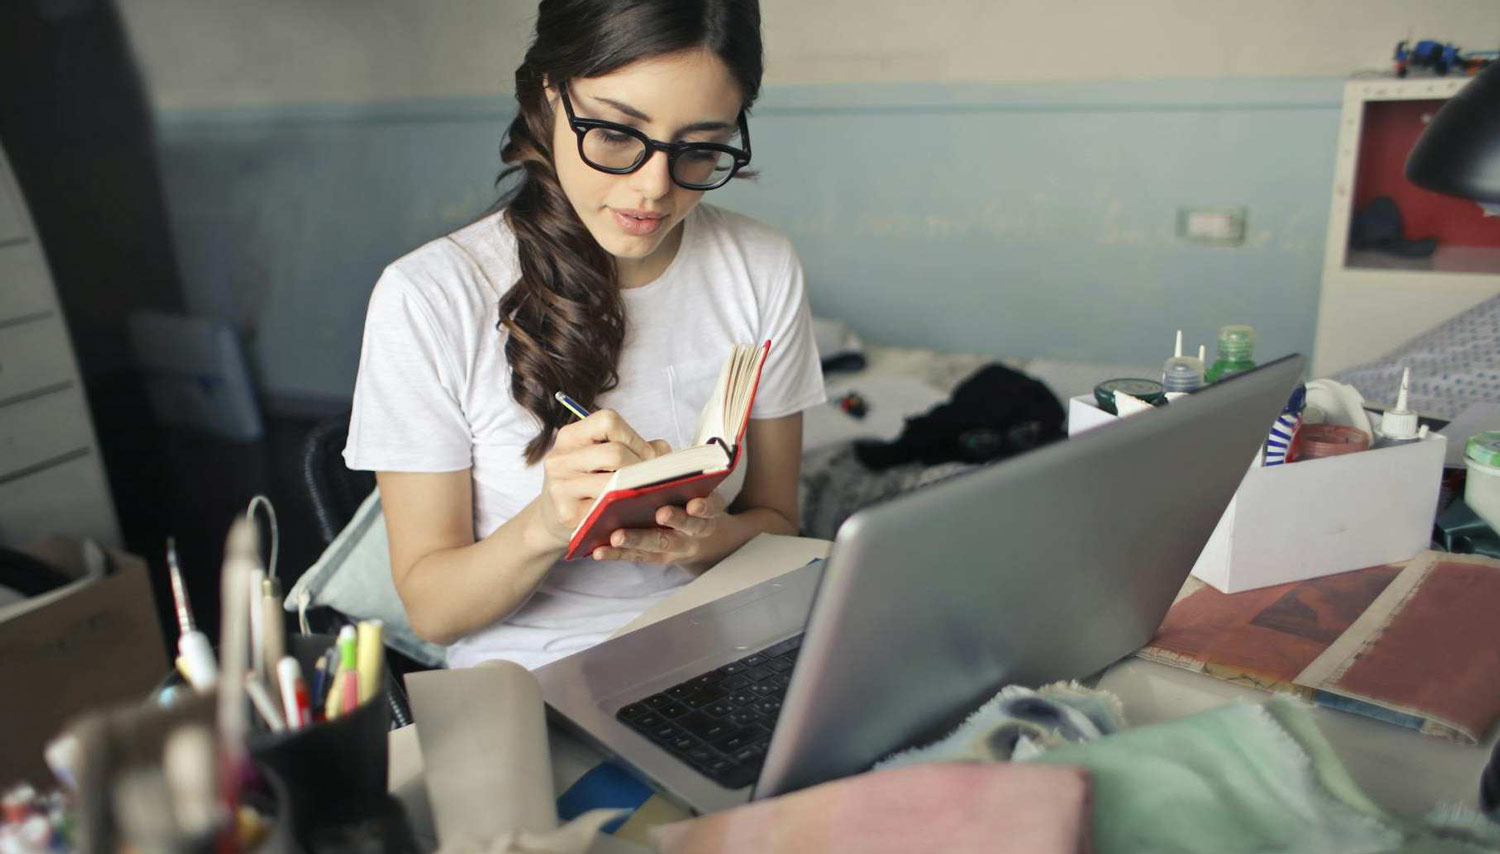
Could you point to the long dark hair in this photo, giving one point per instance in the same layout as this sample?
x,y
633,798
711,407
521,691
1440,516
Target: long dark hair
x,y
564,317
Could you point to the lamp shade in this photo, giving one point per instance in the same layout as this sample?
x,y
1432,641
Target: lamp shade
x,y
1459,153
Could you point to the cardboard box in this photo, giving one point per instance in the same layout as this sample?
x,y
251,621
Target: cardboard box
x,y
94,641
1316,517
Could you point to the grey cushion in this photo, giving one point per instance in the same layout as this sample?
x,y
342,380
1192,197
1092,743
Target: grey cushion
x,y
353,576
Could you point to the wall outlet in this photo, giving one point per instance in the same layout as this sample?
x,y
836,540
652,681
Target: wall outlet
x,y
1215,226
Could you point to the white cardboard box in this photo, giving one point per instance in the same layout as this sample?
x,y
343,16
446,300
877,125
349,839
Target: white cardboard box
x,y
1316,517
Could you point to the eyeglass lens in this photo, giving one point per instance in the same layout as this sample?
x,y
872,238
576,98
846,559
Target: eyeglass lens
x,y
609,149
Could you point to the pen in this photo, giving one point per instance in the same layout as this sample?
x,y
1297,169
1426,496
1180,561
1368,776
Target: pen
x,y
195,654
573,406
293,693
321,678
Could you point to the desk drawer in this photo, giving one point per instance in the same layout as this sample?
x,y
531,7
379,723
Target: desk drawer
x,y
70,498
41,429
25,287
34,356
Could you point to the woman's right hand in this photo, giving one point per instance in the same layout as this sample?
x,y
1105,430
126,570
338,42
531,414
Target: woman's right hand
x,y
583,457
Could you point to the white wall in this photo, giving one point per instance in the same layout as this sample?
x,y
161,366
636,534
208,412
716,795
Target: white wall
x,y
220,53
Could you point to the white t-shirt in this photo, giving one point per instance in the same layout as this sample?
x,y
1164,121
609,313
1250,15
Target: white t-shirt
x,y
433,394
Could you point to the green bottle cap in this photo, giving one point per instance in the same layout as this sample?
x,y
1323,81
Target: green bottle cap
x,y
1236,342
1484,448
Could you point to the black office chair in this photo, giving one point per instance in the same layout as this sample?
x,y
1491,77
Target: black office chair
x,y
334,490
335,493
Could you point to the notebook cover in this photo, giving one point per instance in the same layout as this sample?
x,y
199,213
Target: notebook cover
x,y
636,508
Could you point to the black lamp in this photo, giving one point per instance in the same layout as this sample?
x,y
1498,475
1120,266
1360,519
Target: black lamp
x,y
1459,153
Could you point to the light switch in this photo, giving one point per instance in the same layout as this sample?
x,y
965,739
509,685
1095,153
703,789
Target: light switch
x,y
1217,226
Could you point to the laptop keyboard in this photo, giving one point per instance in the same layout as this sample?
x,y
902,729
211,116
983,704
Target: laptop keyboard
x,y
720,723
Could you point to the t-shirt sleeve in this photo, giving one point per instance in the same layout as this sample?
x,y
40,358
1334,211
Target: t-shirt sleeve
x,y
792,379
407,414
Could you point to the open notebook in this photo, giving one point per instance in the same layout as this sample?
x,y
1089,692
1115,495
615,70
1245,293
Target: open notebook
x,y
636,492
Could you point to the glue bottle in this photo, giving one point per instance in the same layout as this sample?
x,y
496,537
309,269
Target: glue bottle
x,y
1181,374
1398,426
1236,352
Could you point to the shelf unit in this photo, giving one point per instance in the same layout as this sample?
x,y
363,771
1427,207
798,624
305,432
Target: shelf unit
x,y
1370,301
51,475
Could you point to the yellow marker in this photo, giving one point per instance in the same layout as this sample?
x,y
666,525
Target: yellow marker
x,y
370,648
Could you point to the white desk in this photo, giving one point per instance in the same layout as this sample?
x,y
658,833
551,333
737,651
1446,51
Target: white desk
x,y
1402,770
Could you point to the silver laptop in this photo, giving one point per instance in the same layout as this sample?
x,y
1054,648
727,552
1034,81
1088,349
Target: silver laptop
x,y
1048,566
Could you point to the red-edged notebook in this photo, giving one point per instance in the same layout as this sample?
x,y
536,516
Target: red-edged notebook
x,y
636,492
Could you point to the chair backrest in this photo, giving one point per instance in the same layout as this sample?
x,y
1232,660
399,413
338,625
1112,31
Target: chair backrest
x,y
334,491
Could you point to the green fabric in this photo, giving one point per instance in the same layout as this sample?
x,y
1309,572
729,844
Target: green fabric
x,y
1242,778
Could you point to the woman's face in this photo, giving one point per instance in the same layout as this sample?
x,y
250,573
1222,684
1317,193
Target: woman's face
x,y
680,97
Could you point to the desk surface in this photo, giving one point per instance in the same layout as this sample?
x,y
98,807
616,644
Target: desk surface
x,y
1402,770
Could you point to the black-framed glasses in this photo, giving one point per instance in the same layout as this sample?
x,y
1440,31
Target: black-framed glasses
x,y
621,149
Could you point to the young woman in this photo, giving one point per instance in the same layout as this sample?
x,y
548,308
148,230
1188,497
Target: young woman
x,y
602,276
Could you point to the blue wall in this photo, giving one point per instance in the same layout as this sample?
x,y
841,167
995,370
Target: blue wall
x,y
1010,220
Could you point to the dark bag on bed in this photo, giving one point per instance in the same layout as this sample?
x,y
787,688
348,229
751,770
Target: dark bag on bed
x,y
994,414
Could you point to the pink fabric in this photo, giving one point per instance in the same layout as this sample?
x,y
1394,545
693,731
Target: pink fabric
x,y
952,807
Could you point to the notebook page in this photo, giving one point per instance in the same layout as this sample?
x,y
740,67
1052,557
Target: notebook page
x,y
711,420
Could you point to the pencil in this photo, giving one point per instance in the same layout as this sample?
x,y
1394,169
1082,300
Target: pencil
x,y
573,406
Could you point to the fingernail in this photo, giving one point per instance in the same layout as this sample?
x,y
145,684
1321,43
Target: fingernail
x,y
617,539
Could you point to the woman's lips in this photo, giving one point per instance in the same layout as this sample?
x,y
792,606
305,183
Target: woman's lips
x,y
637,223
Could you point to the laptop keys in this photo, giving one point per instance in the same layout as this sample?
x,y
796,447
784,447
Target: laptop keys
x,y
720,722
672,710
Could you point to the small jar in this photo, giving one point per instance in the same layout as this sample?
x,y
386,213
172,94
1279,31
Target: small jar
x,y
1482,490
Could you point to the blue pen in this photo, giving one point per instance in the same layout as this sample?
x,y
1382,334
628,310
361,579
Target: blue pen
x,y
573,406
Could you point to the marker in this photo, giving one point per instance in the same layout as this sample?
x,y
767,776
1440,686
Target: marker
x,y
195,655
294,698
368,649
346,671
573,406
349,669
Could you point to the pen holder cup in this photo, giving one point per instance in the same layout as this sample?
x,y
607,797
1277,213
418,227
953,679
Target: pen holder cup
x,y
273,801
335,771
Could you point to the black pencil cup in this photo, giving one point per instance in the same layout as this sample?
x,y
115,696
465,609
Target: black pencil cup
x,y
334,771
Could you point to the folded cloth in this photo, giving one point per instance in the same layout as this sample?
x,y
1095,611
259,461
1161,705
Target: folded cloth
x,y
1019,723
1246,778
995,413
952,807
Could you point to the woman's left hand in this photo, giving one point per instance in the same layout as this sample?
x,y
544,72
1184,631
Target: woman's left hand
x,y
681,539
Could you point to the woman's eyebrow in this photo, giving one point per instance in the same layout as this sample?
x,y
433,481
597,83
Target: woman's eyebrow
x,y
639,116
